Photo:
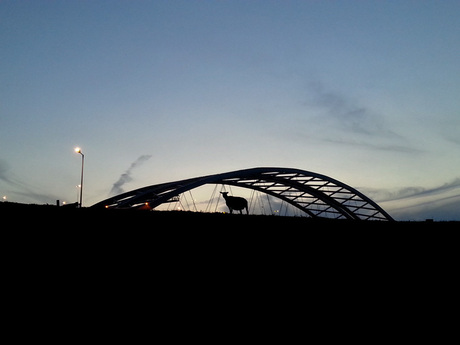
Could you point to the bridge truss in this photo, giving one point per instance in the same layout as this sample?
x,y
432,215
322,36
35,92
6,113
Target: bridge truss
x,y
318,196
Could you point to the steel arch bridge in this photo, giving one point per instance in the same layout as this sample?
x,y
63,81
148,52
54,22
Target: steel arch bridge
x,y
317,195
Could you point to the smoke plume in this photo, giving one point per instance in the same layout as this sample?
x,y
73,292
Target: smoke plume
x,y
126,176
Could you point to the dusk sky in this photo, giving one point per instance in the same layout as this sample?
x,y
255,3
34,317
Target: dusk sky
x,y
366,92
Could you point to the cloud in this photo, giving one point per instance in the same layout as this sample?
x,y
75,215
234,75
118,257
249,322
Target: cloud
x,y
376,145
453,139
4,175
413,192
342,120
440,202
343,112
9,178
126,176
446,209
22,188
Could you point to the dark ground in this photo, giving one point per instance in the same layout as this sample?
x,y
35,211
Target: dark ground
x,y
179,234
101,239
172,243
181,263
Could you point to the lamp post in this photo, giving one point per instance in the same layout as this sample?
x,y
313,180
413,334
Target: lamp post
x,y
78,150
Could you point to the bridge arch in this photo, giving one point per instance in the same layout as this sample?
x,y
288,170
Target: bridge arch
x,y
317,195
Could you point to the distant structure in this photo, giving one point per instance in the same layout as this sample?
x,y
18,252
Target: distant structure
x,y
318,196
235,203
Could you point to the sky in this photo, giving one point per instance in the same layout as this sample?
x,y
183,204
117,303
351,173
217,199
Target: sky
x,y
366,92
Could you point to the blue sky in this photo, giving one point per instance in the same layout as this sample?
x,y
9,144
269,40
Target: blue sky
x,y
363,91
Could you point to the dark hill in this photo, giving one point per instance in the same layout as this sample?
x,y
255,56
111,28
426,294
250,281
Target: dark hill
x,y
68,218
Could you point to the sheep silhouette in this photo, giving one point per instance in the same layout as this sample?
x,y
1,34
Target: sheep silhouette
x,y
235,203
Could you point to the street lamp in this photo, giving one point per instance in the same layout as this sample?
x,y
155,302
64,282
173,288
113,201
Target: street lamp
x,y
78,150
78,191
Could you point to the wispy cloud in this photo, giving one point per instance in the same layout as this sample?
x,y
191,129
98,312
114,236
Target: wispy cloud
x,y
343,112
21,188
126,176
441,208
343,120
453,139
382,195
414,202
4,174
379,146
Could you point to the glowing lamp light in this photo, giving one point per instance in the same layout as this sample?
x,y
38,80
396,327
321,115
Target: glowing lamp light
x,y
78,150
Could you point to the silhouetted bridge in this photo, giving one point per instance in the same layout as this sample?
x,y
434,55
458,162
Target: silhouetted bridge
x,y
315,194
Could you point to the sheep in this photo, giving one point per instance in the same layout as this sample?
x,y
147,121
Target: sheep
x,y
235,203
